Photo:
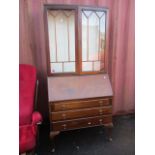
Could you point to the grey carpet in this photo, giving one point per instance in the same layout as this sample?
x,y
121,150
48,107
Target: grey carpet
x,y
92,141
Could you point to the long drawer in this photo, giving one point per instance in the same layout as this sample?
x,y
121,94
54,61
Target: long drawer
x,y
81,123
68,105
80,113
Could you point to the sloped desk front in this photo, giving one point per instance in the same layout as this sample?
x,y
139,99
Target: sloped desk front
x,y
79,102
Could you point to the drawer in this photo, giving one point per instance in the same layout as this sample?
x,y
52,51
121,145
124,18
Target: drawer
x,y
87,112
81,123
68,105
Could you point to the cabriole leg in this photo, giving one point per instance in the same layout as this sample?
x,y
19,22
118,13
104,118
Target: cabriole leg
x,y
53,134
108,129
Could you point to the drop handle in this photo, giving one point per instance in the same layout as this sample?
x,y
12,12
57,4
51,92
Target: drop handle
x,y
89,123
63,106
100,120
101,103
64,115
64,125
100,111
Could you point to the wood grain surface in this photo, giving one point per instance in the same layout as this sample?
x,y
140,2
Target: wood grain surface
x,y
78,87
80,113
81,123
80,104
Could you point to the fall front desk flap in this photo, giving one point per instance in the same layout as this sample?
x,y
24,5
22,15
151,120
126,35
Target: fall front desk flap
x,y
78,87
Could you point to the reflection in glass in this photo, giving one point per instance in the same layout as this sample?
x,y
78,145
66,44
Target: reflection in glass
x,y
69,67
93,40
61,29
56,67
84,38
87,66
97,65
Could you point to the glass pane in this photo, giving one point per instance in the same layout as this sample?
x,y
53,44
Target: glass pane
x,y
87,13
61,29
56,67
69,67
97,66
102,37
93,39
100,14
72,37
84,38
52,42
102,65
53,13
87,66
102,30
67,13
62,38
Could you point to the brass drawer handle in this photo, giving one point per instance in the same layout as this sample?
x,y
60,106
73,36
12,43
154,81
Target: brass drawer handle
x,y
89,123
63,106
101,103
64,115
64,126
101,111
100,120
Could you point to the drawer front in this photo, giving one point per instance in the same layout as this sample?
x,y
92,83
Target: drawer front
x,y
68,105
81,123
80,113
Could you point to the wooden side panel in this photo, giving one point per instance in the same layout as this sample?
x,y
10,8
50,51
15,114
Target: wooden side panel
x,y
121,47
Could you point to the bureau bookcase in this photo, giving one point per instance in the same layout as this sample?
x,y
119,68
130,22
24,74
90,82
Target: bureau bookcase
x,y
79,89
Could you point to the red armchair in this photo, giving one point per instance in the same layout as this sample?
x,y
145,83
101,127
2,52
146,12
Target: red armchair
x,y
28,119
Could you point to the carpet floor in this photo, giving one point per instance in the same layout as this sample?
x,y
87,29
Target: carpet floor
x,y
92,141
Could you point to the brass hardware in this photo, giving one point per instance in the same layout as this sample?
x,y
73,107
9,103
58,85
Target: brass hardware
x,y
89,123
100,120
64,125
101,111
63,106
64,115
101,103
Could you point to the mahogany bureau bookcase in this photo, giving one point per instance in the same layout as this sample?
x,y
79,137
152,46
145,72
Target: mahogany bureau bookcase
x,y
79,89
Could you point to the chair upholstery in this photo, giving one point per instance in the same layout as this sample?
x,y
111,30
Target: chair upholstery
x,y
28,118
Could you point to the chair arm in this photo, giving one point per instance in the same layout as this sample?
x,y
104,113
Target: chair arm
x,y
36,118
